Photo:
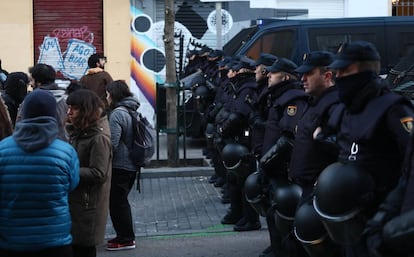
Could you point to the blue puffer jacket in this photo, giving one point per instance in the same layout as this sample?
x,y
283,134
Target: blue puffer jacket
x,y
37,171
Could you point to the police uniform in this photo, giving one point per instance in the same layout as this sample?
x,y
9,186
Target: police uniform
x,y
260,108
309,156
373,126
287,102
235,129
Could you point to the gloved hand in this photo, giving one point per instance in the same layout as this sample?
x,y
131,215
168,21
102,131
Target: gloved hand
x,y
373,237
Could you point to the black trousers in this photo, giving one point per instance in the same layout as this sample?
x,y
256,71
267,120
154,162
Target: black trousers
x,y
60,251
84,251
119,208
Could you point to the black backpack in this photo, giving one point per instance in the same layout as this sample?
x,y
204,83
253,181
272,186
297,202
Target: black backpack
x,y
142,148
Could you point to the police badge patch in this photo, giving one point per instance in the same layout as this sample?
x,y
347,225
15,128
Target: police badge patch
x,y
291,110
407,123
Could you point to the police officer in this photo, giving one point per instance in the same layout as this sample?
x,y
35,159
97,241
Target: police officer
x,y
389,232
373,127
260,107
235,131
311,155
213,115
288,101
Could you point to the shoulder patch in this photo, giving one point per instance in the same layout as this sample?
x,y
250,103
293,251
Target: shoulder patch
x,y
407,123
291,110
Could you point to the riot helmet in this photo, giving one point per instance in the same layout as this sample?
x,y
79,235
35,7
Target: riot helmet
x,y
237,160
286,197
203,96
341,192
256,193
310,232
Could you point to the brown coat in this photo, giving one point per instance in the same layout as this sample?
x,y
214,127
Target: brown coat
x,y
89,202
96,80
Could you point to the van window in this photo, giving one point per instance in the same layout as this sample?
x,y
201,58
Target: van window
x,y
279,43
329,40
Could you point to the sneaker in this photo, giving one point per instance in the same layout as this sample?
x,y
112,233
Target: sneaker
x,y
113,240
116,246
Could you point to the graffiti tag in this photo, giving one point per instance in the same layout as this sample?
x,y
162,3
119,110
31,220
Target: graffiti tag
x,y
66,34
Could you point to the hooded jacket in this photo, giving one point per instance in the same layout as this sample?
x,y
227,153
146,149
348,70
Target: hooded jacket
x,y
37,171
120,122
89,202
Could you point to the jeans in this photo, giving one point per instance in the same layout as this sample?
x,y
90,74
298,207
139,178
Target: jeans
x,y
119,208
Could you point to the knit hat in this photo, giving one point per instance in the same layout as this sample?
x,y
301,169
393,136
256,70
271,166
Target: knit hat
x,y
38,103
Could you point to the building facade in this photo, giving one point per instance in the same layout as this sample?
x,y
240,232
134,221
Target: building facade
x,y
63,33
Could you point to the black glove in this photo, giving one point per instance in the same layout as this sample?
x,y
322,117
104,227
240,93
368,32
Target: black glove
x,y
373,238
277,155
231,124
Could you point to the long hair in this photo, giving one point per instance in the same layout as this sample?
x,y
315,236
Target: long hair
x,y
118,90
6,127
90,107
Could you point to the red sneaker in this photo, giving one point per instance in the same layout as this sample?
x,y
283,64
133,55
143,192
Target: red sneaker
x,y
116,246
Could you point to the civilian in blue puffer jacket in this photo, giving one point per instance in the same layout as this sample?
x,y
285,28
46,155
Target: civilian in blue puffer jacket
x,y
37,172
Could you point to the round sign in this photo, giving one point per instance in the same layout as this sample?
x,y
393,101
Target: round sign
x,y
226,22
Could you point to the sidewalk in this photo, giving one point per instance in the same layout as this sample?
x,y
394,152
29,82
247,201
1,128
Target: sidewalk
x,y
179,203
175,200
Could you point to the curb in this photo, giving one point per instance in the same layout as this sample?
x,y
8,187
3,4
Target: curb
x,y
165,172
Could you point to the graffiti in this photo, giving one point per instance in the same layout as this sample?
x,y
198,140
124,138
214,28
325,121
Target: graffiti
x,y
76,58
66,34
50,53
73,63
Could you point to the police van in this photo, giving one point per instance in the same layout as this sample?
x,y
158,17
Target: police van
x,y
393,36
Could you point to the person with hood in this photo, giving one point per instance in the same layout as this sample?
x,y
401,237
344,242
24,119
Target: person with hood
x,y
96,78
15,90
37,172
89,134
124,171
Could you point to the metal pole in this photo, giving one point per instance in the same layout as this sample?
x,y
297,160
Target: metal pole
x,y
218,26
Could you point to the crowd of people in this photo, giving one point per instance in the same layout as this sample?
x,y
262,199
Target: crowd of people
x,y
322,150
65,163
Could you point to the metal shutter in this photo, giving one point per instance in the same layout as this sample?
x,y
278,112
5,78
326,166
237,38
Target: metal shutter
x,y
58,23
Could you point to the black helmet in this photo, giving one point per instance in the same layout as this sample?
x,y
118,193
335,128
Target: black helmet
x,y
237,160
286,197
310,232
256,193
341,192
201,90
203,97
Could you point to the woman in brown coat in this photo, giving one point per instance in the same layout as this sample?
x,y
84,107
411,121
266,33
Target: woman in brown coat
x,y
90,136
